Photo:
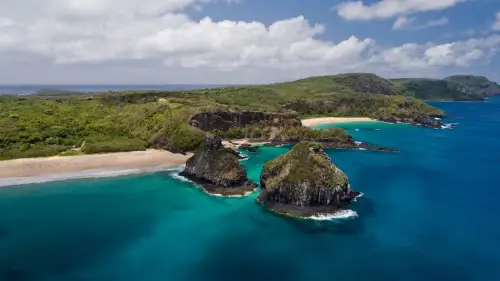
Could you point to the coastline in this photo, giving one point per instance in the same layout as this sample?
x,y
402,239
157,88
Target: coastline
x,y
325,120
148,160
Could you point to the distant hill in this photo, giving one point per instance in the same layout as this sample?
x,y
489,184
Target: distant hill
x,y
433,89
454,88
474,85
365,83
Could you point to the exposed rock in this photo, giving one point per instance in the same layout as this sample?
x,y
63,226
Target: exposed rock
x,y
426,121
369,146
218,170
304,183
337,145
224,120
249,148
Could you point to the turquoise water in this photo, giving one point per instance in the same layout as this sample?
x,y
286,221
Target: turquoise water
x,y
429,213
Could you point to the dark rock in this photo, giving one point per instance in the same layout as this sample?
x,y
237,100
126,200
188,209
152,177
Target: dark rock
x,y
249,148
218,170
368,146
224,120
426,121
304,183
236,153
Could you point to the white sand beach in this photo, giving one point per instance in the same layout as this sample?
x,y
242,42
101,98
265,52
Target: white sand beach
x,y
234,144
31,167
324,120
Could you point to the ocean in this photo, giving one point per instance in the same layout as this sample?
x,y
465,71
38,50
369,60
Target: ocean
x,y
32,89
428,212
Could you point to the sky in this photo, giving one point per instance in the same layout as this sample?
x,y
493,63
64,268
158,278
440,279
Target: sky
x,y
243,41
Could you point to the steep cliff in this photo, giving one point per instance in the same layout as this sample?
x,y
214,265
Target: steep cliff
x,y
304,183
218,170
224,120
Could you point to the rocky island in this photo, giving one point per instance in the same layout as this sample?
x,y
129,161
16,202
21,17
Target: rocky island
x,y
304,183
217,170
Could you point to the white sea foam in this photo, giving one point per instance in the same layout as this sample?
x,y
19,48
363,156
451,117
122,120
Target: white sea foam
x,y
362,148
96,173
340,215
378,129
357,197
449,126
358,142
357,130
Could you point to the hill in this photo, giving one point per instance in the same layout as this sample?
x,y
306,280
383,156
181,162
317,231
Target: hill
x,y
432,89
474,85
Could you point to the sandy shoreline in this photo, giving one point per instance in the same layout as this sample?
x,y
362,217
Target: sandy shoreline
x,y
323,120
32,167
234,144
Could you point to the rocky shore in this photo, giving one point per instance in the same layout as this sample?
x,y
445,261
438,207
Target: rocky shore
x,y
217,170
304,183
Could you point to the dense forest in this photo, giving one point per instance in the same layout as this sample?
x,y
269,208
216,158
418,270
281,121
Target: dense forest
x,y
68,123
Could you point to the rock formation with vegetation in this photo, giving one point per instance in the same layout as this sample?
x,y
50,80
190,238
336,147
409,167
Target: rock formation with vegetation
x,y
304,183
218,170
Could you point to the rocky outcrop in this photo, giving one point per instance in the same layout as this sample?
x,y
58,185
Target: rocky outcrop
x,y
304,183
337,145
224,120
218,170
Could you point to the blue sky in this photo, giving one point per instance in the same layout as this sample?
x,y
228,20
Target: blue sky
x,y
243,41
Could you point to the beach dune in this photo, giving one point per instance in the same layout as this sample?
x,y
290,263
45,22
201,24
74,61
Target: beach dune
x,y
324,120
112,161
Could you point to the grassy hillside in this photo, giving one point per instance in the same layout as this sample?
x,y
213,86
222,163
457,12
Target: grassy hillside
x,y
50,124
432,89
474,85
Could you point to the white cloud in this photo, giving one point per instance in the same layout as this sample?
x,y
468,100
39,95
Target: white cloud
x,y
136,41
428,57
384,9
408,23
496,24
402,22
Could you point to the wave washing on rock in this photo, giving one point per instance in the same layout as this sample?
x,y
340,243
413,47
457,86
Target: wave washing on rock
x,y
99,173
449,126
339,215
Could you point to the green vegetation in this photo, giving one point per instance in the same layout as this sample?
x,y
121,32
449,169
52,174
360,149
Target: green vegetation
x,y
289,133
55,121
71,153
114,145
474,85
304,165
432,89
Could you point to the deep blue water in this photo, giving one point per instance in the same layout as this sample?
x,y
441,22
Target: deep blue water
x,y
31,89
429,212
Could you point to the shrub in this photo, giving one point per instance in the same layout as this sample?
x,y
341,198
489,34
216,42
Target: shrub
x,y
115,145
32,152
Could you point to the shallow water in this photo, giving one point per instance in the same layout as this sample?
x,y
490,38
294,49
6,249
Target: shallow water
x,y
428,213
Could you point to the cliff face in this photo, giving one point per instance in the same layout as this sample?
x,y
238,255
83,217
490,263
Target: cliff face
x,y
223,120
217,170
304,182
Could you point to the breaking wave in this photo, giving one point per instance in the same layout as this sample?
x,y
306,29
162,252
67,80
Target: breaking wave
x,y
340,215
